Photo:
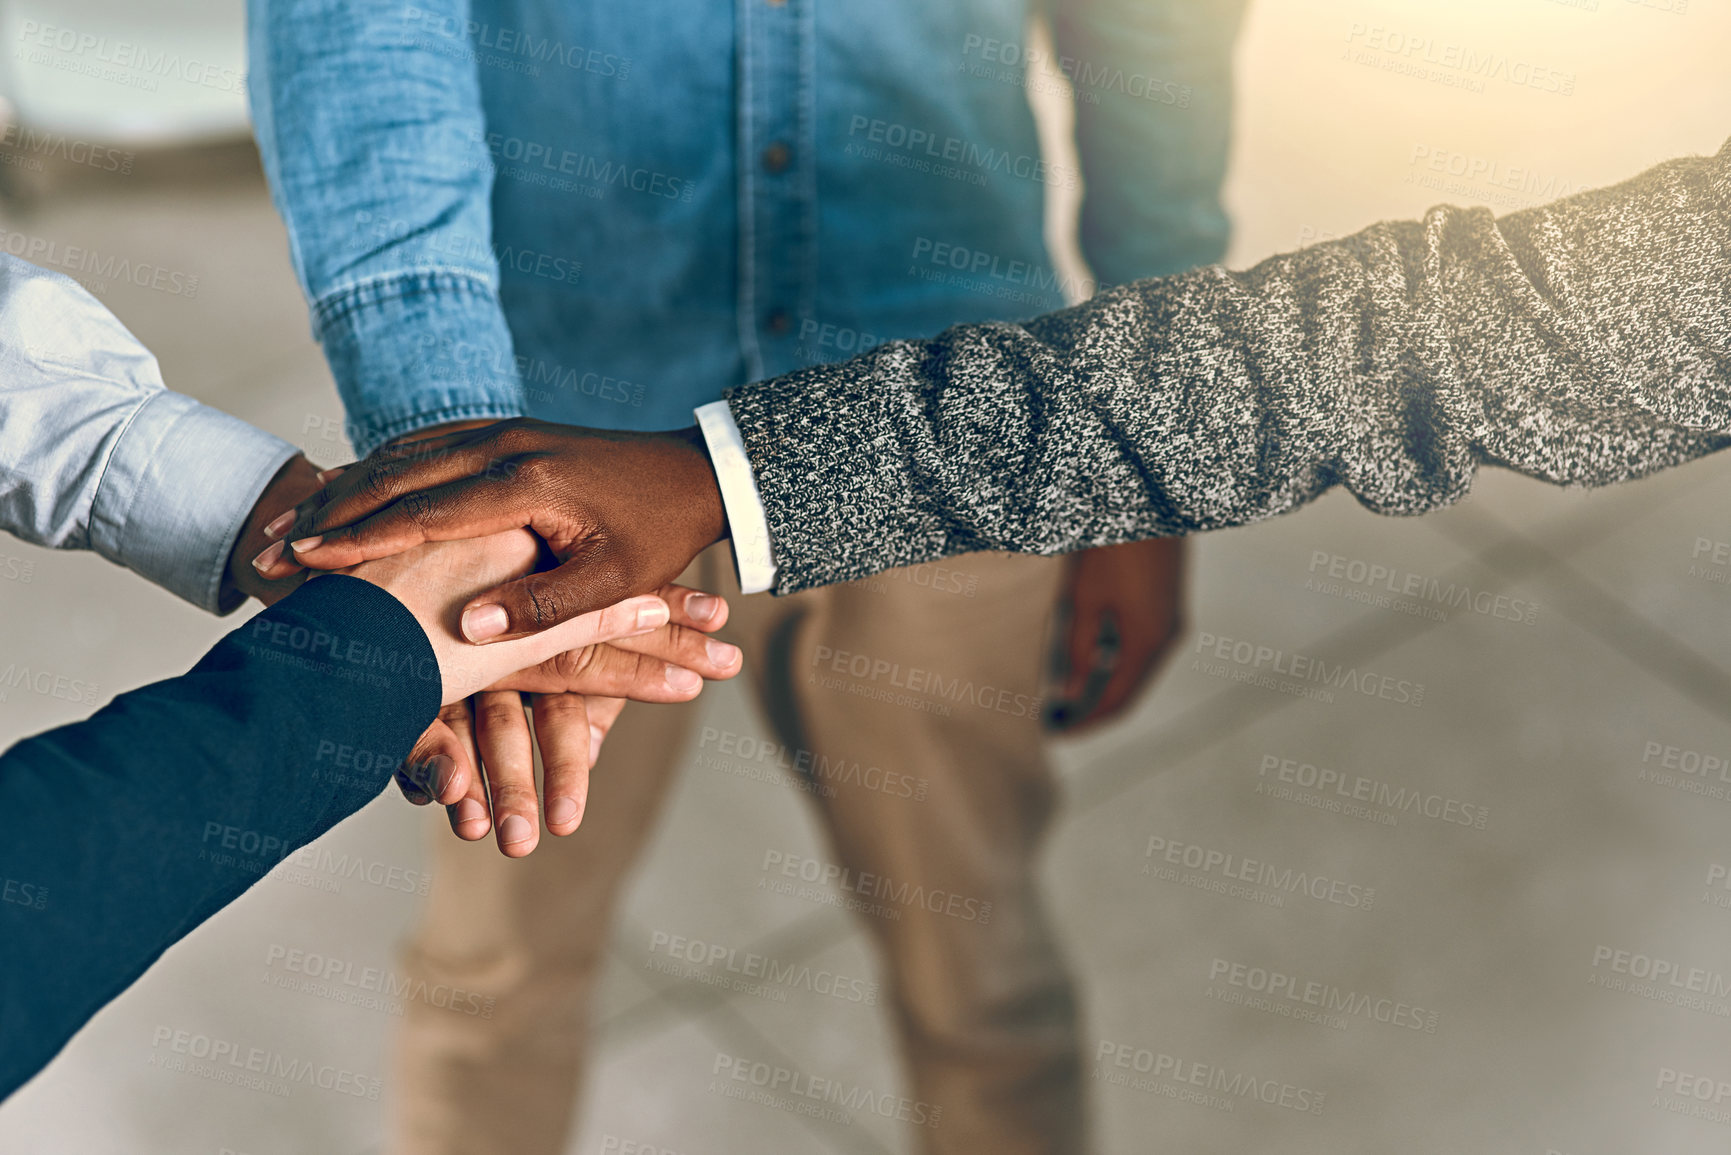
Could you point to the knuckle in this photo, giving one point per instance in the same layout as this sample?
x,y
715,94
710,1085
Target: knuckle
x,y
531,469
379,484
418,508
546,601
512,437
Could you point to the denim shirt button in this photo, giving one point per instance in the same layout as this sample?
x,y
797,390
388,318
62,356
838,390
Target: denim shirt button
x,y
776,157
778,322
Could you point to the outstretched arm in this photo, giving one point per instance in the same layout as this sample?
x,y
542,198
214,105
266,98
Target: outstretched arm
x,y
1583,342
130,829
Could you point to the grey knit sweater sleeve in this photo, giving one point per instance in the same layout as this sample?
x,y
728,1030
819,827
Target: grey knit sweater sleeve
x,y
1583,342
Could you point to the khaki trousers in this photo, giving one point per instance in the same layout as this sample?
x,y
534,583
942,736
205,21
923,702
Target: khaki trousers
x,y
981,999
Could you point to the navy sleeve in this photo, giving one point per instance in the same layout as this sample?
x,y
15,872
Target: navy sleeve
x,y
127,831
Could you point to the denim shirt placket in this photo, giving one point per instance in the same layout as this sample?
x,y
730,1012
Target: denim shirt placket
x,y
777,178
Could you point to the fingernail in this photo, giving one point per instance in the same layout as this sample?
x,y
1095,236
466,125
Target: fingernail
x,y
681,680
280,525
702,607
561,812
515,828
269,557
444,772
596,737
652,615
721,653
483,622
326,476
307,543
469,810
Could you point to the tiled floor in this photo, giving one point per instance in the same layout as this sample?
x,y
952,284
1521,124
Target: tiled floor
x,y
1480,1003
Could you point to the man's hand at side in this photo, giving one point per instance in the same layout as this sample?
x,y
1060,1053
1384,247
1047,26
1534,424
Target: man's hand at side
x,y
1125,608
623,513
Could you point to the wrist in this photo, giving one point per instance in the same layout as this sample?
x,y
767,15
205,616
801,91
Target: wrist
x,y
296,481
708,510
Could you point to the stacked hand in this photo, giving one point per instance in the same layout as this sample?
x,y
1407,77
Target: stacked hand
x,y
624,513
603,655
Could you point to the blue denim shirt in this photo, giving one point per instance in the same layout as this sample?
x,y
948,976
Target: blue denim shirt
x,y
606,214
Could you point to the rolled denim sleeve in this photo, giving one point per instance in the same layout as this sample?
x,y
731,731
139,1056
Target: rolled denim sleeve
x,y
1153,85
369,120
95,453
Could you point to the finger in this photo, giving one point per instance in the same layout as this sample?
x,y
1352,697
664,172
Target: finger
x,y
694,608
508,761
613,672
276,560
471,507
398,468
1081,648
712,658
465,767
467,811
590,579
603,713
562,733
432,762
472,668
1129,675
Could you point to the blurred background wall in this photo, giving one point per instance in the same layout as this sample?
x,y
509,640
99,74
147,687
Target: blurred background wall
x,y
1536,956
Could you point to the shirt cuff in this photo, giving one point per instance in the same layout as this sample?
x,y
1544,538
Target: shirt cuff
x,y
747,526
418,349
176,491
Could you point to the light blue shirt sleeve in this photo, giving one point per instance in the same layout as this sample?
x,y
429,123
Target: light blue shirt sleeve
x,y
95,453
